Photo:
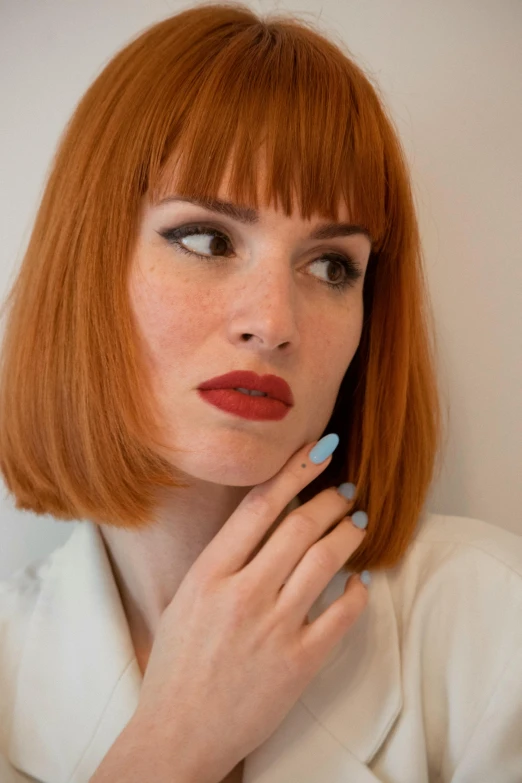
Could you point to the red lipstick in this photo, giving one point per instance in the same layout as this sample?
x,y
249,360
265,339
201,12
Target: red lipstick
x,y
222,392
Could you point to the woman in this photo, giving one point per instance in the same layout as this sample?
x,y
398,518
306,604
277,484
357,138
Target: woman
x,y
230,195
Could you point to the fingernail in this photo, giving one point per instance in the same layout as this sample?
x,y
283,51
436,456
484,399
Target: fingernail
x,y
360,519
324,448
365,577
347,489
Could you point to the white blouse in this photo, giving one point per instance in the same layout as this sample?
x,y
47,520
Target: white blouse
x,y
426,687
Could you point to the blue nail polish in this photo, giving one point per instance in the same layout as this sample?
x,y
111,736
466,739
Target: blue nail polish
x,y
324,448
360,519
365,577
347,489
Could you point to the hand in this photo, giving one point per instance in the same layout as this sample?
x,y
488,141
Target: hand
x,y
234,649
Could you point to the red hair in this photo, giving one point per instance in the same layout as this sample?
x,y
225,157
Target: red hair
x,y
78,434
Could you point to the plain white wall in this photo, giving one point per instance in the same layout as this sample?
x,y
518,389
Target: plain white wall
x,y
451,74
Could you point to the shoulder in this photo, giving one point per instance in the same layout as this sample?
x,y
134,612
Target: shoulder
x,y
473,566
458,591
461,572
448,553
457,597
474,535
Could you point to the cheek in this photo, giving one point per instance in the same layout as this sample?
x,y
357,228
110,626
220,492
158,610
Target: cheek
x,y
338,332
169,323
335,344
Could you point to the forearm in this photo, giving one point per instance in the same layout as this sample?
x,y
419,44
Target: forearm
x,y
138,755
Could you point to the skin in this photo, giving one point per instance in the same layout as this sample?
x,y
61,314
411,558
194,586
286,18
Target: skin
x,y
269,286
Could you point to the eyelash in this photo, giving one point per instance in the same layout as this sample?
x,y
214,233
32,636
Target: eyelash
x,y
174,235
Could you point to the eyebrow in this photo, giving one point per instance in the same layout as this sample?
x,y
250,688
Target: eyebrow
x,y
250,216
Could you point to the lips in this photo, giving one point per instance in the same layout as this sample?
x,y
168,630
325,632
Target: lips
x,y
272,385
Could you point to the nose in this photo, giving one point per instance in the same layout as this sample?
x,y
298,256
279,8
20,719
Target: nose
x,y
265,308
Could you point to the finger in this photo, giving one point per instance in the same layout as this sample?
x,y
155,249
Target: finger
x,y
318,638
299,531
232,546
316,569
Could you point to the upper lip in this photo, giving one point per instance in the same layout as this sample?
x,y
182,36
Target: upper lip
x,y
272,385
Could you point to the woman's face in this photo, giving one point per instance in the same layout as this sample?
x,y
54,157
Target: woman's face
x,y
267,279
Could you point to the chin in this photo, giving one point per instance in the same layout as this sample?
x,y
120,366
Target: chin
x,y
236,472
229,468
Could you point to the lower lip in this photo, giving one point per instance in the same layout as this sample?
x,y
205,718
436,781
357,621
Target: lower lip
x,y
253,408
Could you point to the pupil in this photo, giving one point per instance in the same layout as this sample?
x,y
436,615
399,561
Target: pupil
x,y
218,240
334,279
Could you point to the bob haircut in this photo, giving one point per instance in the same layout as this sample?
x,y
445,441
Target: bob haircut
x,y
79,436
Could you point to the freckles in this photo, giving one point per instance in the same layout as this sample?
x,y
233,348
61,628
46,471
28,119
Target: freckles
x,y
335,339
156,312
208,309
174,318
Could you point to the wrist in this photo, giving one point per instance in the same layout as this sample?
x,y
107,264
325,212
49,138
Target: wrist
x,y
140,753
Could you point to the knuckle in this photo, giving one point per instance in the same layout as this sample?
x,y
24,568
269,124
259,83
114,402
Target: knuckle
x,y
240,604
260,505
322,557
299,659
300,524
201,577
200,588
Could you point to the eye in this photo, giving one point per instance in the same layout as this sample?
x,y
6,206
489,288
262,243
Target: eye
x,y
218,245
351,271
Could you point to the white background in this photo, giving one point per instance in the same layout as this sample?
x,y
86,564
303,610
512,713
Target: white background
x,y
451,74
